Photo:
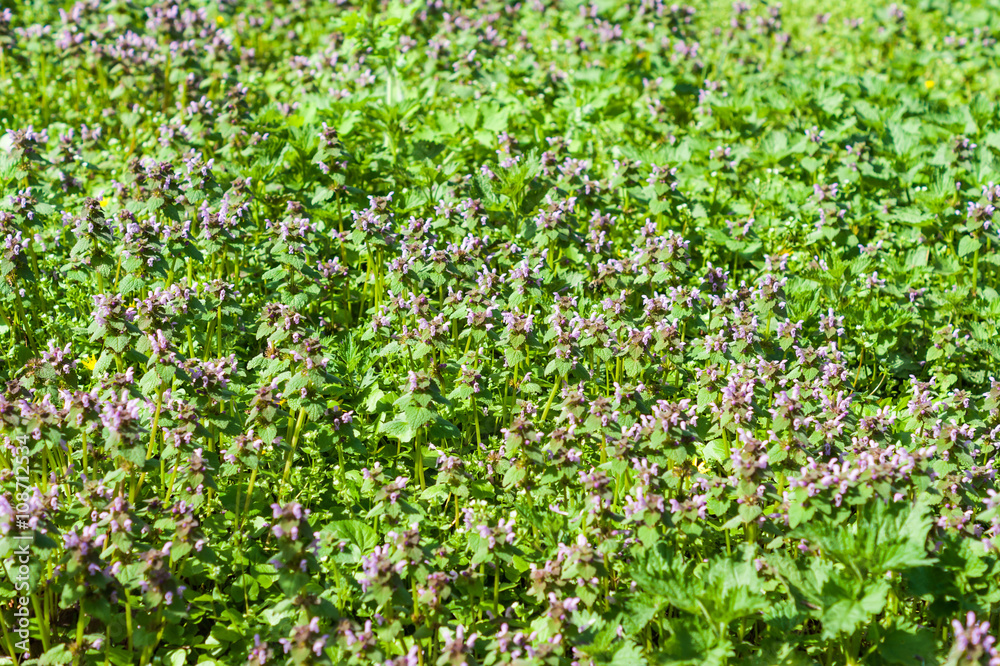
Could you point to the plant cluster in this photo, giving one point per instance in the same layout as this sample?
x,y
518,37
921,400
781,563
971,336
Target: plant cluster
x,y
410,332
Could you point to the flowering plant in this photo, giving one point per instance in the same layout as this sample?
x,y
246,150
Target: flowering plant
x,y
491,333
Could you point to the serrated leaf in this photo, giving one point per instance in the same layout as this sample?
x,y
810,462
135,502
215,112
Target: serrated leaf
x,y
967,245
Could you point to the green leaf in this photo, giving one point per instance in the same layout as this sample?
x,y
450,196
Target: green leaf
x,y
117,343
914,217
103,363
639,612
58,654
628,655
694,644
513,476
177,657
130,283
150,381
513,356
401,430
715,450
888,536
352,532
442,428
907,644
848,604
968,245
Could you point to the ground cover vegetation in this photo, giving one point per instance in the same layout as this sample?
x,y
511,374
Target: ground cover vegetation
x,y
486,333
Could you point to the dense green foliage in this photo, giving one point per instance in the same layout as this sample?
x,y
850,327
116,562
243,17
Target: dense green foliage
x,y
444,332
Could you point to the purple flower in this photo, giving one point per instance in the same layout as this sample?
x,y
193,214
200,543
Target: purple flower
x,y
973,644
261,652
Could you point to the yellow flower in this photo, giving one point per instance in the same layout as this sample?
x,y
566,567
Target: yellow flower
x,y
220,20
928,84
90,362
704,467
104,202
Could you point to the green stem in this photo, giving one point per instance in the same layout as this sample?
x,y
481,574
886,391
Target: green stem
x,y
84,447
170,488
43,621
418,461
147,652
8,643
23,318
475,416
81,623
128,620
857,374
291,451
975,272
218,330
552,396
137,486
496,591
246,505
